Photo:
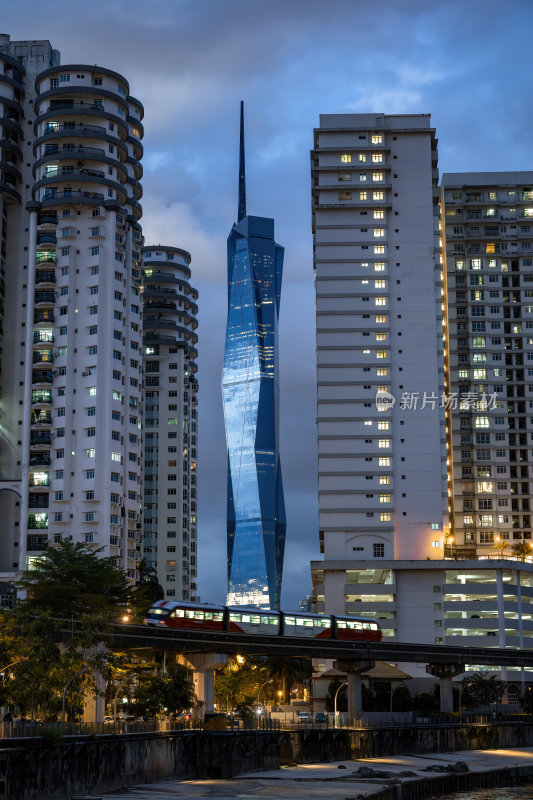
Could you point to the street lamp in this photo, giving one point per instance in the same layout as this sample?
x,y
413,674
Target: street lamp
x,y
2,671
260,689
335,702
464,686
65,691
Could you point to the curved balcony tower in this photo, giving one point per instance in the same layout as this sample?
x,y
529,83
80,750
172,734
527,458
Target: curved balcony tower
x,y
83,378
170,402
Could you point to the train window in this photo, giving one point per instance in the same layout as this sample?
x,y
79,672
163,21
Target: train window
x,y
194,614
255,619
234,617
178,612
321,623
271,620
305,621
341,623
208,615
217,616
290,621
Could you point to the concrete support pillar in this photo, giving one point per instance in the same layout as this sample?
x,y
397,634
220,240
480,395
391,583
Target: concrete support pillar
x,y
445,673
203,666
353,670
94,700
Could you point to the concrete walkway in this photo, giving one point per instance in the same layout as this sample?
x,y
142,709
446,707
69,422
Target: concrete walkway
x,y
336,781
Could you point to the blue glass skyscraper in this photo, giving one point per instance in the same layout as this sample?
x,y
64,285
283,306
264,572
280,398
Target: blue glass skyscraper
x,y
256,522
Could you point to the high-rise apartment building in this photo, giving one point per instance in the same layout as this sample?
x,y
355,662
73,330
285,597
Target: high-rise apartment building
x,y
487,227
170,422
381,438
71,376
256,512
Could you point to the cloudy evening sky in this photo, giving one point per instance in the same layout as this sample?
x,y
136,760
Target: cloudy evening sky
x,y
190,62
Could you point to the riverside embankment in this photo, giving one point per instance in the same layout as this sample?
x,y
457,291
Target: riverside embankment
x,y
35,769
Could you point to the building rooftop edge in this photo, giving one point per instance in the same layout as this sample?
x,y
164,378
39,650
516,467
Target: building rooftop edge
x,y
343,565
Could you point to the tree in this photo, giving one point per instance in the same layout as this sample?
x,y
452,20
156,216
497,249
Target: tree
x,y
170,692
482,690
237,684
521,550
148,590
72,580
287,672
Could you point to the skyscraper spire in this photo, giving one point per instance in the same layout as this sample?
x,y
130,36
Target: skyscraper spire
x,y
242,172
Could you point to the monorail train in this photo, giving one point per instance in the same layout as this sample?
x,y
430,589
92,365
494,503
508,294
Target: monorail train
x,y
239,619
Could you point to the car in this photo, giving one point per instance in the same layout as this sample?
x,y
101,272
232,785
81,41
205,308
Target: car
x,y
303,716
320,716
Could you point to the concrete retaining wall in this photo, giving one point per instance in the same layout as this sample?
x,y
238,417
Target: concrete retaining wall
x,y
37,770
34,769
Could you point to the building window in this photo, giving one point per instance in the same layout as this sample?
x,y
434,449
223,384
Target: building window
x,y
346,158
378,550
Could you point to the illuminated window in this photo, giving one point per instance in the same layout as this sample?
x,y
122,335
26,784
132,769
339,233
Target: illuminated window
x,y
383,425
346,158
384,461
380,284
380,301
493,195
385,517
381,337
379,266
363,195
482,422
480,374
475,263
379,233
377,158
379,213
384,498
377,177
90,452
379,249
528,212
362,177
368,422
92,391
383,443
435,543
377,138
364,263
381,319
382,354
382,372
378,195
384,480
115,456
361,158
490,247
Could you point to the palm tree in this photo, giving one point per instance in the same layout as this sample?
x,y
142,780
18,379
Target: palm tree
x,y
288,671
501,545
521,550
484,690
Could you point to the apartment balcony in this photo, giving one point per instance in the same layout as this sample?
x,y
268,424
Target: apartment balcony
x,y
66,172
73,150
41,417
45,257
45,277
43,297
51,195
37,521
46,238
38,459
39,376
458,551
43,337
39,481
37,543
43,316
43,357
47,219
40,438
38,501
43,397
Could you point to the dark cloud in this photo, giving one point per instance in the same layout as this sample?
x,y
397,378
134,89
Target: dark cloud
x,y
190,62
